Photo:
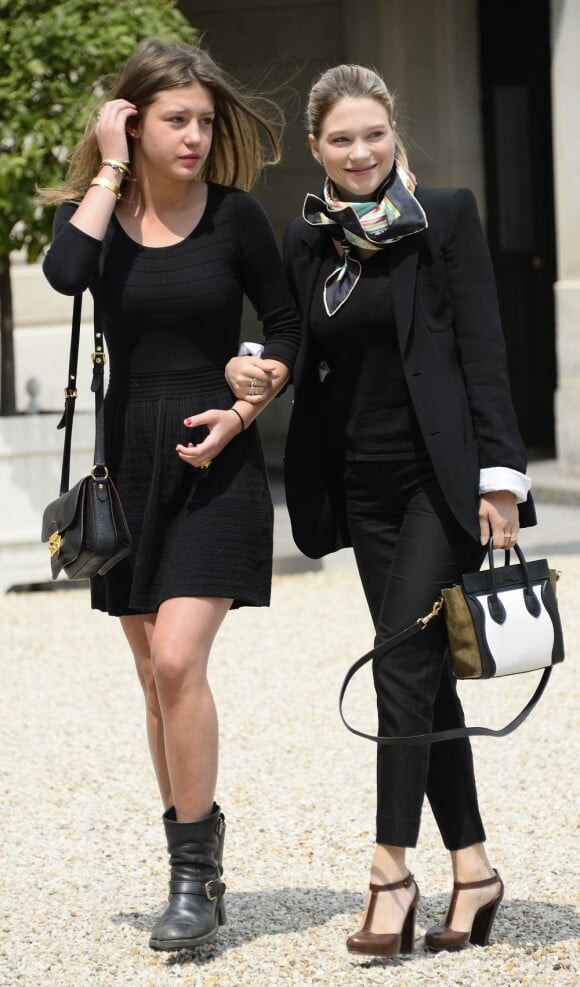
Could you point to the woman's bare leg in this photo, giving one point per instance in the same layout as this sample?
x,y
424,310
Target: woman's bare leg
x,y
183,633
138,630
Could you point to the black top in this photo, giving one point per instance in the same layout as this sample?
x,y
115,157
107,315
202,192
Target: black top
x,y
167,308
365,382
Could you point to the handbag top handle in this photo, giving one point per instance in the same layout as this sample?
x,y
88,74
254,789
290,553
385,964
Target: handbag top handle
x,y
533,605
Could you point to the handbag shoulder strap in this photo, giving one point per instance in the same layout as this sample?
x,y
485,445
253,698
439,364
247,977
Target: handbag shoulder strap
x,y
97,387
457,733
70,391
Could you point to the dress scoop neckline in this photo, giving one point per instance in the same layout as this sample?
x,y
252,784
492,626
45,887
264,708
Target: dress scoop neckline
x,y
168,246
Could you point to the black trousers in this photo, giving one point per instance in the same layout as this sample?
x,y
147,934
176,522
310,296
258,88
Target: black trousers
x,y
408,545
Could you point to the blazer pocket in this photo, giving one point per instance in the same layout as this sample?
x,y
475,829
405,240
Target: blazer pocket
x,y
433,298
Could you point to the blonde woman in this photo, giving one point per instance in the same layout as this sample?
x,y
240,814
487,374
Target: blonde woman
x,y
402,443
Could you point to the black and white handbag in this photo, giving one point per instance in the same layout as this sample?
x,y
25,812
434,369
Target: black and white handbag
x,y
500,621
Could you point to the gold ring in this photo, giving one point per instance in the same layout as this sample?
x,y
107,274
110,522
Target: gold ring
x,y
205,464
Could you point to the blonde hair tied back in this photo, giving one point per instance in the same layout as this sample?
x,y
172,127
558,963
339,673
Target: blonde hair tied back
x,y
349,81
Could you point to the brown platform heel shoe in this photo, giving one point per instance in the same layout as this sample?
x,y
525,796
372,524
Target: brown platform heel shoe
x,y
444,937
370,943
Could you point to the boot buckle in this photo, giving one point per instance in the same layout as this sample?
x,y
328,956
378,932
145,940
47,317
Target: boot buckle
x,y
213,889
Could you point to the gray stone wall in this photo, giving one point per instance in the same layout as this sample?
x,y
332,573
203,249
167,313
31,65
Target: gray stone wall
x,y
566,92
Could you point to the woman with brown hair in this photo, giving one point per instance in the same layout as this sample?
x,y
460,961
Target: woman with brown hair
x,y
151,221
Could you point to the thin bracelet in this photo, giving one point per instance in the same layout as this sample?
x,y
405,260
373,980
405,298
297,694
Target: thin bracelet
x,y
107,184
242,422
117,166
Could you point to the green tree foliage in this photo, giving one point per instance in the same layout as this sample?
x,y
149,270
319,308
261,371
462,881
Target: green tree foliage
x,y
52,58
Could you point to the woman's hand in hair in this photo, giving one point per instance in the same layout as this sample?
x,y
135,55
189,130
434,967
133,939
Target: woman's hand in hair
x,y
111,128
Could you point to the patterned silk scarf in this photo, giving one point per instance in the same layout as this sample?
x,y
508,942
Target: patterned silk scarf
x,y
393,214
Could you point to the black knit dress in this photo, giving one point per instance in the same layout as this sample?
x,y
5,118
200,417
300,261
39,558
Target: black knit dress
x,y
171,318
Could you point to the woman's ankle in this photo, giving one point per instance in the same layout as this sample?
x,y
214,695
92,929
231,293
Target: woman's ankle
x,y
471,864
389,864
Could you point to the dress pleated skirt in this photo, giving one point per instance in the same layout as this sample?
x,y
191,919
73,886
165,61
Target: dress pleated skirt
x,y
195,532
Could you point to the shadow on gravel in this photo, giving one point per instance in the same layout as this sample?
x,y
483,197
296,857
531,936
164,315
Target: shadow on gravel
x,y
520,923
253,914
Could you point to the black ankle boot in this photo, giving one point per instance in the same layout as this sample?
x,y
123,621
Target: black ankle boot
x,y
196,890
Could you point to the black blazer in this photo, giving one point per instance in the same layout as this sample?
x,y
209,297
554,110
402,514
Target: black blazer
x,y
454,362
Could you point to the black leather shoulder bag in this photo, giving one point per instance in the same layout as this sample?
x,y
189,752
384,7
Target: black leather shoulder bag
x,y
85,527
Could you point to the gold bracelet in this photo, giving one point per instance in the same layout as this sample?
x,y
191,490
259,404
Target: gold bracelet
x,y
107,184
117,166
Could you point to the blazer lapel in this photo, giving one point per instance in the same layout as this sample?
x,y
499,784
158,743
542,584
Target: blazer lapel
x,y
306,270
403,258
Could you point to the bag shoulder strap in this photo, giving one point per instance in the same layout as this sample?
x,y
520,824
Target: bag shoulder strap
x,y
457,733
70,391
97,387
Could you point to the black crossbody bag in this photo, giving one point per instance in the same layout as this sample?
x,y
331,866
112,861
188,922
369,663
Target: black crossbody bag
x,y
85,527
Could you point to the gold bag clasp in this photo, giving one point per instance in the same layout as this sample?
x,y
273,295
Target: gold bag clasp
x,y
54,543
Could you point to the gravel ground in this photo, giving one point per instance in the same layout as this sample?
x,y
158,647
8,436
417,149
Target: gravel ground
x,y
84,867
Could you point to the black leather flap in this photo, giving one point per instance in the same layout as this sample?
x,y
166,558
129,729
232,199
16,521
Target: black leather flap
x,y
60,514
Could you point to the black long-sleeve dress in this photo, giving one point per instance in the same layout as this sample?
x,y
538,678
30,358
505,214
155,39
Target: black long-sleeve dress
x,y
171,319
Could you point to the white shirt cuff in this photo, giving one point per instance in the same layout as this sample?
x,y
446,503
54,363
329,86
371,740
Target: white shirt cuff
x,y
503,478
250,349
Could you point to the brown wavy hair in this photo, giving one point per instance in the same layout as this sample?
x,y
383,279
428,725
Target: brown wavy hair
x,y
247,128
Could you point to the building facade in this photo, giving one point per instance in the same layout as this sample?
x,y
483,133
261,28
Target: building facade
x,y
487,97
